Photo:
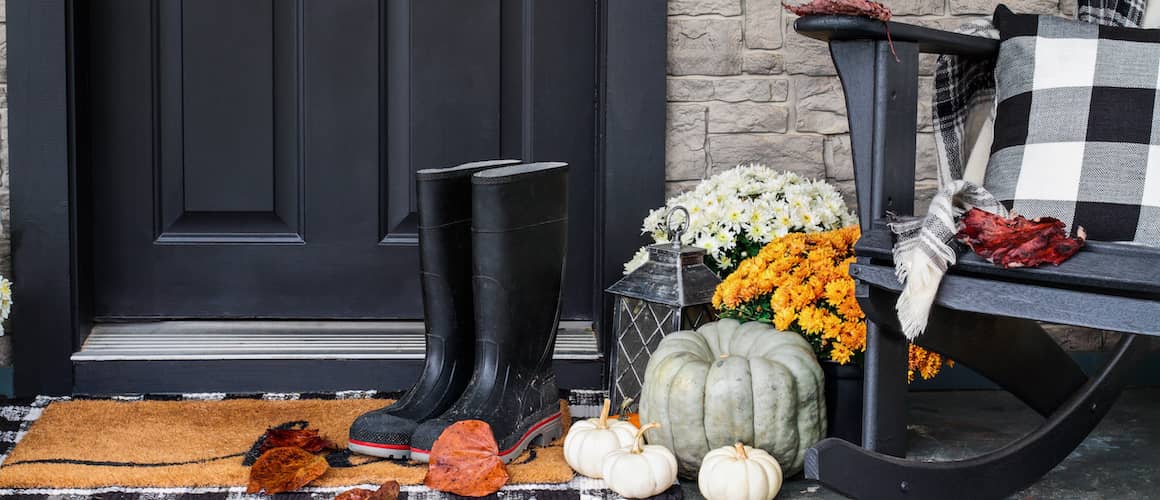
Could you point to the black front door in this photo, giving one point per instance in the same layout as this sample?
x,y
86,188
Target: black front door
x,y
255,158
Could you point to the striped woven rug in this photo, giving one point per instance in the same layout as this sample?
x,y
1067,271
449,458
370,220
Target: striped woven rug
x,y
16,416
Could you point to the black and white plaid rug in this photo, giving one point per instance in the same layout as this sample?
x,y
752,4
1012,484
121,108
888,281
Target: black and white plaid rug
x,y
17,415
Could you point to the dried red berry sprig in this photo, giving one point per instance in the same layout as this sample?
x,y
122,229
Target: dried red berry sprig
x,y
864,8
1018,241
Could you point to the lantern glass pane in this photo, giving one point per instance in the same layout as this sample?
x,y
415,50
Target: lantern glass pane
x,y
640,327
693,317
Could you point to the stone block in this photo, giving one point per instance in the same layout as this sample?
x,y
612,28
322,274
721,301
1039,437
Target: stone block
x,y
763,24
779,90
804,55
762,62
927,63
747,117
839,162
700,46
925,158
925,99
923,192
699,7
916,7
689,89
673,188
820,105
743,89
794,152
728,89
960,7
952,24
4,53
685,133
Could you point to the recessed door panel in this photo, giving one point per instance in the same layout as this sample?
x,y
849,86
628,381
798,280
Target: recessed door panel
x,y
256,158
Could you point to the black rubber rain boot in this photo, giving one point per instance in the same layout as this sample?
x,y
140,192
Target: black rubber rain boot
x,y
519,237
444,199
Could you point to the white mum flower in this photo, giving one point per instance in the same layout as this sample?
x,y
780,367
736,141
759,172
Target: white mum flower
x,y
638,259
750,200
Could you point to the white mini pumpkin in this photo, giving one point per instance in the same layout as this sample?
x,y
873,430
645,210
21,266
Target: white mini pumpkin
x,y
588,441
640,471
739,472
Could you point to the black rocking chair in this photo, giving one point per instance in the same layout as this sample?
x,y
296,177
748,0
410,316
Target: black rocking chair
x,y
985,317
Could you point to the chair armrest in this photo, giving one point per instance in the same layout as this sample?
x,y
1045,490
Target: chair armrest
x,y
929,40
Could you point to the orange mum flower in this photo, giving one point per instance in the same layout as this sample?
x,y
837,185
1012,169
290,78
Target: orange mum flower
x,y
801,282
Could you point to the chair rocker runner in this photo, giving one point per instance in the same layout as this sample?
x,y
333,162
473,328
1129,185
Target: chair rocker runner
x,y
984,317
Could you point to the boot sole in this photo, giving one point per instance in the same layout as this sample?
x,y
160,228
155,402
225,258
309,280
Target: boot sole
x,y
541,434
392,451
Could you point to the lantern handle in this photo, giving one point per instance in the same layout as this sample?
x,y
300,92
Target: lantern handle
x,y
675,233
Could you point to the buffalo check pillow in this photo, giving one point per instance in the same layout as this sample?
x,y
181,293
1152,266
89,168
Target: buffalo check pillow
x,y
1077,125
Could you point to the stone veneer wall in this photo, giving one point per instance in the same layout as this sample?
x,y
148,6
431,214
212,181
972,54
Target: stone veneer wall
x,y
5,214
743,86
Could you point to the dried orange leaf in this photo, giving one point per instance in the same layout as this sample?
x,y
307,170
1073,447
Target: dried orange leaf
x,y
285,469
465,461
307,439
388,491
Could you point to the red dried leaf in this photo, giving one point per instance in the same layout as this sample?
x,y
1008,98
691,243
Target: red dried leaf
x,y
1018,242
866,8
465,461
285,469
307,439
388,491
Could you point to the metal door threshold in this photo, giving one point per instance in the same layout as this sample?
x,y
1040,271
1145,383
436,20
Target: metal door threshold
x,y
286,340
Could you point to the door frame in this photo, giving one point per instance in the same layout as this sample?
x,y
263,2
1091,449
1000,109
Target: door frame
x,y
49,185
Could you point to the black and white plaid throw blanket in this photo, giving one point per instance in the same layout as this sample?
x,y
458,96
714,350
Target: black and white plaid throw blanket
x,y
925,246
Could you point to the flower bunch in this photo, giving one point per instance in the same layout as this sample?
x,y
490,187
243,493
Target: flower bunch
x,y
801,283
5,301
734,213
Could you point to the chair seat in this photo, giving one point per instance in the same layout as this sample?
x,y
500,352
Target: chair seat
x,y
1107,268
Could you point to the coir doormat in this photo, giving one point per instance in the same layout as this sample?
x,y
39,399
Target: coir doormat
x,y
191,443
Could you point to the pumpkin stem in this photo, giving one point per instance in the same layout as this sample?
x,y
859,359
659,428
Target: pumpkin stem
x,y
740,447
638,443
603,422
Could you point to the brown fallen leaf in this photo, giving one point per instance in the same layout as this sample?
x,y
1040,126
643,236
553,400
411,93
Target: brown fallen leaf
x,y
307,439
465,461
1018,242
388,491
285,469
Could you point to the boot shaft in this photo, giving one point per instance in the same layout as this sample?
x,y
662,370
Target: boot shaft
x,y
444,206
519,241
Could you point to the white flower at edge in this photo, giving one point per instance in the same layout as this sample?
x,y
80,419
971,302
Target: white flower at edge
x,y
5,301
638,259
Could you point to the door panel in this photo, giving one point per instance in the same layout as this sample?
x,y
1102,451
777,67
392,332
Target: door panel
x,y
229,160
442,86
256,158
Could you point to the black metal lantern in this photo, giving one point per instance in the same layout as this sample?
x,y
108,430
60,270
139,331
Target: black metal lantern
x,y
672,291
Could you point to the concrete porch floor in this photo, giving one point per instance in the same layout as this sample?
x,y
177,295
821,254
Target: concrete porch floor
x,y
1120,459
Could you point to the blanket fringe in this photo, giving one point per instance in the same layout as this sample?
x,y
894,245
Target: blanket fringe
x,y
922,278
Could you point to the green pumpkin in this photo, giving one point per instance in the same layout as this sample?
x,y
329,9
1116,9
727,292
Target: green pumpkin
x,y
729,382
